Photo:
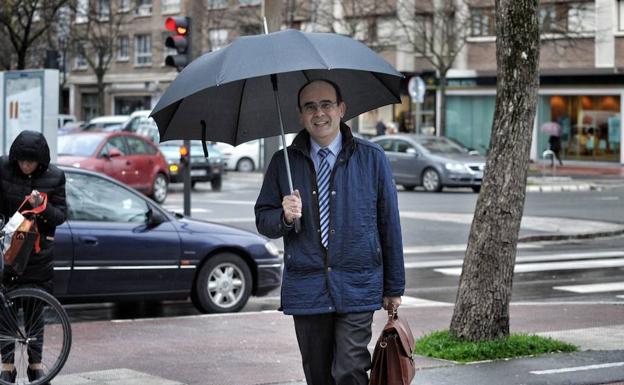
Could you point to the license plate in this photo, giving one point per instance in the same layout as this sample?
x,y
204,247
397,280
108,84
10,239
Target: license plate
x,y
198,173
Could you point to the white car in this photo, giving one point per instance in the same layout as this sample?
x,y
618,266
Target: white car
x,y
106,123
246,156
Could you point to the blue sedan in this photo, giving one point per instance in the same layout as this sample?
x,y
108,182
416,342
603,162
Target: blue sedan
x,y
117,244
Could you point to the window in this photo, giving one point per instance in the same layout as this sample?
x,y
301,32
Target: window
x,y
103,10
582,18
123,48
553,18
371,29
386,144
403,146
621,15
80,62
218,38
91,198
143,50
217,4
482,22
248,2
170,6
124,5
144,7
117,143
137,146
82,11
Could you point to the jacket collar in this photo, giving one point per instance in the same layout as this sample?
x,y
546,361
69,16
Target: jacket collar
x,y
302,141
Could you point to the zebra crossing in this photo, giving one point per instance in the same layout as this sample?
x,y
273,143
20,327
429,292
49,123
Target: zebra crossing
x,y
582,263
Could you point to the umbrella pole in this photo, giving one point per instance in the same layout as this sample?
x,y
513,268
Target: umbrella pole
x,y
283,136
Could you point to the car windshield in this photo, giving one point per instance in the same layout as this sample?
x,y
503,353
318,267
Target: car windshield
x,y
78,145
440,145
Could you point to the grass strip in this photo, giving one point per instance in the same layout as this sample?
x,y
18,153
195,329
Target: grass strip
x,y
440,344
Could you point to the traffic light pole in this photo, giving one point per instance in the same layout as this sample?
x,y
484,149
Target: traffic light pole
x,y
187,180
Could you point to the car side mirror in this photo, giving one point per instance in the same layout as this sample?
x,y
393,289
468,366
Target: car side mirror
x,y
412,151
473,153
154,218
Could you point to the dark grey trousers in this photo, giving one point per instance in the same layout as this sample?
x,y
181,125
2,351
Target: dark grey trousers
x,y
334,347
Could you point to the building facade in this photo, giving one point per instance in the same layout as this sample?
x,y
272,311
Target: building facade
x,y
582,53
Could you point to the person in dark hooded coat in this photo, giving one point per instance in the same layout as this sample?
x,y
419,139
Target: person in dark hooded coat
x,y
27,171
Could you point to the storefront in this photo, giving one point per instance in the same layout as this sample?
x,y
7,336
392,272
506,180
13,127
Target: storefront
x,y
583,119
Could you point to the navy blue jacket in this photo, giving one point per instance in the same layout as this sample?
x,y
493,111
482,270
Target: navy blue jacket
x,y
364,259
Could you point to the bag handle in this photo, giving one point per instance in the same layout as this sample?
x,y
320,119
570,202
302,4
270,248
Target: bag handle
x,y
37,210
393,313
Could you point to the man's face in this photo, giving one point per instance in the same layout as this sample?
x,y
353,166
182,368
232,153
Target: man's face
x,y
28,166
320,114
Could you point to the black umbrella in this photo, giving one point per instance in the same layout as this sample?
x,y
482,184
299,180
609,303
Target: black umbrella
x,y
248,90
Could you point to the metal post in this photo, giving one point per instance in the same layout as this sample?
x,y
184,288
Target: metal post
x,y
186,170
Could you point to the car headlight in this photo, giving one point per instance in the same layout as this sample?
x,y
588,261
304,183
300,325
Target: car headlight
x,y
173,168
457,167
272,249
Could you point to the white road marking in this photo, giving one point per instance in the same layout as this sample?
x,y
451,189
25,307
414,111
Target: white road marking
x,y
451,248
551,225
592,288
180,209
520,259
533,267
578,368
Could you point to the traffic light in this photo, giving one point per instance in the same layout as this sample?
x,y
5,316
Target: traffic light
x,y
180,41
184,156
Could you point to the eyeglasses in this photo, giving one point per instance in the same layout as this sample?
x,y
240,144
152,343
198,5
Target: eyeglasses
x,y
312,108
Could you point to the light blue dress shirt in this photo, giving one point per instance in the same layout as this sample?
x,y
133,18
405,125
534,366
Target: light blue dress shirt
x,y
334,149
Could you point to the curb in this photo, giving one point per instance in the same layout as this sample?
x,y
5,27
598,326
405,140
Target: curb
x,y
565,237
562,188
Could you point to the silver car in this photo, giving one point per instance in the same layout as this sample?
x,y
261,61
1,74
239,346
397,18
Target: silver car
x,y
433,162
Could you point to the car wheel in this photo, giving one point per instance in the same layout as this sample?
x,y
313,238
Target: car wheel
x,y
245,165
476,189
409,187
216,183
223,284
431,180
159,188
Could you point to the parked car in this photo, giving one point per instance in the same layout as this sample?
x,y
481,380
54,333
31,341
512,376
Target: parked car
x,y
106,123
431,161
141,124
64,119
118,245
202,169
126,157
246,156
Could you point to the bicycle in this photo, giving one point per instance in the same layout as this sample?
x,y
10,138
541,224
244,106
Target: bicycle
x,y
32,323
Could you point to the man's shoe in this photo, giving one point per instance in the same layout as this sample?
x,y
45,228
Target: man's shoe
x,y
35,374
8,375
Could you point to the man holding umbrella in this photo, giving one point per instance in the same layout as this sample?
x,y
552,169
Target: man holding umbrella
x,y
346,260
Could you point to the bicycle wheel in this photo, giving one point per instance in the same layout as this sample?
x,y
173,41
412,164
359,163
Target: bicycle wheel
x,y
34,329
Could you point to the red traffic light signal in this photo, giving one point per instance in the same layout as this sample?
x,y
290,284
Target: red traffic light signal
x,y
180,41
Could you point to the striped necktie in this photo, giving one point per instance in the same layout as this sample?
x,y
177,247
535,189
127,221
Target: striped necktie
x,y
322,181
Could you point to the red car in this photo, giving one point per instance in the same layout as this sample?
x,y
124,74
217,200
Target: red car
x,y
127,157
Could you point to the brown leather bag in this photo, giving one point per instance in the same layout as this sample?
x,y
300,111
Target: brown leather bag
x,y
25,238
392,359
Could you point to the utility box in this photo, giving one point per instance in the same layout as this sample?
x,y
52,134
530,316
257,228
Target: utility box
x,y
29,101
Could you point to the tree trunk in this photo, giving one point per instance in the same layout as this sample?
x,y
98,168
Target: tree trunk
x,y
482,305
100,88
442,129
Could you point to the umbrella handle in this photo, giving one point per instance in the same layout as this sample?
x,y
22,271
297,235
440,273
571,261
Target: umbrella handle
x,y
297,225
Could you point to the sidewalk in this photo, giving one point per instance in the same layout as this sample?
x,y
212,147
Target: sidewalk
x,y
574,176
261,348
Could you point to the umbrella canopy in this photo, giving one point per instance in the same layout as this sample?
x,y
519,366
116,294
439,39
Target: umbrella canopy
x,y
231,91
551,128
